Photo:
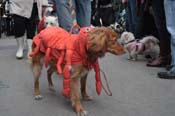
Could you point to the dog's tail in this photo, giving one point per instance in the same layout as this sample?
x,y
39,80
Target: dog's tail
x,y
149,39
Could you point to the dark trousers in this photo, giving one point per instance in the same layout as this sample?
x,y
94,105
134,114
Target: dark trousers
x,y
160,21
134,15
107,16
22,24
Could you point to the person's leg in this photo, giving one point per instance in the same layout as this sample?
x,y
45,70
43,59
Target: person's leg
x,y
31,25
135,18
94,13
130,26
164,37
0,26
19,27
83,12
107,16
170,12
64,14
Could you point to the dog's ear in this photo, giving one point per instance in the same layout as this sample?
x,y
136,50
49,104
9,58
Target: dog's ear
x,y
97,41
97,44
56,21
102,40
113,45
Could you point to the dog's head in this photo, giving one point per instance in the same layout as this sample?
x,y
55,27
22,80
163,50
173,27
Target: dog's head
x,y
50,17
50,21
127,37
102,40
117,27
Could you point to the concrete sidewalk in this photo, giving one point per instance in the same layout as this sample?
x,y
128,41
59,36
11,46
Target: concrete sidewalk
x,y
136,89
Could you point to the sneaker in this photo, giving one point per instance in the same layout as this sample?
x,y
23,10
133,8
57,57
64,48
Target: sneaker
x,y
166,75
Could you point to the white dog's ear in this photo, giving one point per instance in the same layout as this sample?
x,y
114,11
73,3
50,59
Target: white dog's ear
x,y
56,21
56,18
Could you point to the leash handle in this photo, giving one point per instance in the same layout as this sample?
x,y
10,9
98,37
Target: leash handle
x,y
107,90
75,25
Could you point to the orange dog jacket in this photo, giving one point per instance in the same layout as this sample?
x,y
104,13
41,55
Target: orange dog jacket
x,y
61,46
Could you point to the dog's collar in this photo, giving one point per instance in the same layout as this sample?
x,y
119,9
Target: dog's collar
x,y
130,41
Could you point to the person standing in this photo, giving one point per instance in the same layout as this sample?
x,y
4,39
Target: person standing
x,y
25,13
134,14
164,58
71,12
169,6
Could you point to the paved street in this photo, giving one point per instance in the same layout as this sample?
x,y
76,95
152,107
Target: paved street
x,y
136,89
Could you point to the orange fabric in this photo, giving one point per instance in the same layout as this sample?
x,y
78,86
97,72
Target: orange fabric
x,y
59,45
97,77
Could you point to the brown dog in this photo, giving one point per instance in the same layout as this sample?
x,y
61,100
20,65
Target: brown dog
x,y
99,41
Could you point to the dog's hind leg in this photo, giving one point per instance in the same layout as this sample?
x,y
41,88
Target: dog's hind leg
x,y
83,89
49,77
37,64
133,55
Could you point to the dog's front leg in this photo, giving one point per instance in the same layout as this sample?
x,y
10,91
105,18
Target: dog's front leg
x,y
83,89
133,54
77,70
76,98
37,64
129,56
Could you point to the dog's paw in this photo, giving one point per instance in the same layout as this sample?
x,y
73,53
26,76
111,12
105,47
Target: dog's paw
x,y
52,89
84,113
133,59
129,58
38,97
87,98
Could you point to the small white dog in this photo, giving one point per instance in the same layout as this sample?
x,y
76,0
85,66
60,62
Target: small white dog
x,y
50,21
49,18
148,45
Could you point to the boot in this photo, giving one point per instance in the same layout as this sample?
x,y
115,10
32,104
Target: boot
x,y
20,43
29,43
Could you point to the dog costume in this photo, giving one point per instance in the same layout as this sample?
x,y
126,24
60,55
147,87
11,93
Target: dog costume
x,y
61,46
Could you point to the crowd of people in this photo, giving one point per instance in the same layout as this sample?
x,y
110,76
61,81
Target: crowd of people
x,y
143,17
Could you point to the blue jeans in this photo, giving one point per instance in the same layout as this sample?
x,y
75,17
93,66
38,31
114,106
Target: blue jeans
x,y
132,18
169,6
82,13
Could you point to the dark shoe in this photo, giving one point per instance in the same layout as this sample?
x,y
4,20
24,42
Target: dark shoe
x,y
166,75
168,67
159,62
